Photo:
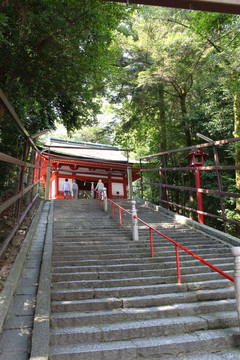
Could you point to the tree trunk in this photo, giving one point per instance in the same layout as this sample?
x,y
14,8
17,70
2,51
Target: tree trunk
x,y
188,143
185,123
236,106
163,141
162,119
2,110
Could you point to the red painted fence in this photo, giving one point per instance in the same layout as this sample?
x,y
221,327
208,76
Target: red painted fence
x,y
177,245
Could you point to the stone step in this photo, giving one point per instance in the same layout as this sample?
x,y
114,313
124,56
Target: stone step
x,y
183,257
117,256
165,311
186,261
104,268
162,279
93,242
142,328
103,273
139,281
86,231
150,348
139,249
232,353
96,293
84,262
141,301
82,234
97,238
104,252
160,256
166,269
131,248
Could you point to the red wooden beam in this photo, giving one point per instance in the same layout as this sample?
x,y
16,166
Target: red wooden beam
x,y
222,6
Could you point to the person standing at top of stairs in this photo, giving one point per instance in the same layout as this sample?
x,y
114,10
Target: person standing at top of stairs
x,y
100,187
75,190
66,189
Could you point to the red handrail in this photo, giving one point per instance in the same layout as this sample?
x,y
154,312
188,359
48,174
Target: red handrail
x,y
177,245
186,250
113,203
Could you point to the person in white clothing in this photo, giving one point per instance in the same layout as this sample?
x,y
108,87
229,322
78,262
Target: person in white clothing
x,y
74,190
100,187
66,189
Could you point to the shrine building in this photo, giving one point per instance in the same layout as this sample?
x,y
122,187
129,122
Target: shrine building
x,y
86,163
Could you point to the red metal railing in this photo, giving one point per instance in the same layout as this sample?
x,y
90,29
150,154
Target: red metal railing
x,y
120,208
177,245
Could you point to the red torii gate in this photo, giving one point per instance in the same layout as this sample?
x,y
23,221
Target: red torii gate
x,y
223,6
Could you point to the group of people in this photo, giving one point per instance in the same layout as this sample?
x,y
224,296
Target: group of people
x,y
67,189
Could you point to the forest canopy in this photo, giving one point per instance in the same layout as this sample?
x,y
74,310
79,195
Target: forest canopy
x,y
179,73
55,58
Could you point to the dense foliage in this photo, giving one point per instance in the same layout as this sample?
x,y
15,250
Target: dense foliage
x,y
180,76
55,58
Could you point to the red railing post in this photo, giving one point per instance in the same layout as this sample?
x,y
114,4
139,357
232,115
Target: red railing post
x,y
151,242
178,265
112,211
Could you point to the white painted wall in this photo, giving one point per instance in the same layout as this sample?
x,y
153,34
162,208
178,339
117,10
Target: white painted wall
x,y
117,189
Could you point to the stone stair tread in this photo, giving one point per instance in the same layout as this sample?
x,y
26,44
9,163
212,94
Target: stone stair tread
x,y
105,263
131,329
140,272
227,354
116,267
207,320
95,317
161,279
79,284
98,292
130,265
135,260
158,347
142,328
146,300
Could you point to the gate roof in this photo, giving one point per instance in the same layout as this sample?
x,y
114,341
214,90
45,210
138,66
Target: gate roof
x,y
85,150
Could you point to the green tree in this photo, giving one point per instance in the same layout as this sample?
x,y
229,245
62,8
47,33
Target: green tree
x,y
55,58
161,50
222,34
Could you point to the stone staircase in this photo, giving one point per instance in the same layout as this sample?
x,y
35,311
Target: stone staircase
x,y
111,300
